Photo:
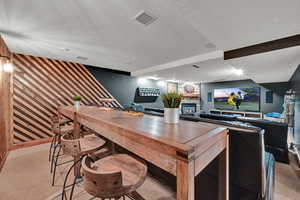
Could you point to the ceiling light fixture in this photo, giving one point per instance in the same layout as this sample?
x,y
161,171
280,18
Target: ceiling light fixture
x,y
142,80
161,83
238,72
7,66
153,78
173,81
189,83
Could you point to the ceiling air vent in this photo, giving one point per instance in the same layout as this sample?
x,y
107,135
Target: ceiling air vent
x,y
145,18
81,58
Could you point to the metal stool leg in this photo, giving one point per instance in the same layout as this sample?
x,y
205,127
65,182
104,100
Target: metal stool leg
x,y
51,146
74,183
53,156
73,186
66,178
55,165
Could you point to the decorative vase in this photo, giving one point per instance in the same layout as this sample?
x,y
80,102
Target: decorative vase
x,y
77,105
171,115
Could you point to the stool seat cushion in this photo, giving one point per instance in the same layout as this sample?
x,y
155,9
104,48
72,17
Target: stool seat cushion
x,y
133,171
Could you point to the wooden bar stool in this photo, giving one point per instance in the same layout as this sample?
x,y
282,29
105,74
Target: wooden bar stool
x,y
91,145
56,124
113,177
60,126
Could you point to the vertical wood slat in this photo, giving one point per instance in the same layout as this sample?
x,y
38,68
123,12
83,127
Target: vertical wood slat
x,y
41,85
5,104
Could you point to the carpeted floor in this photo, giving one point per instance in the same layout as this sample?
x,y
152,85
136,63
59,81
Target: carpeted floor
x,y
25,176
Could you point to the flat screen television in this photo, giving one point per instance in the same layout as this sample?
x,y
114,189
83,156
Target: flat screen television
x,y
242,99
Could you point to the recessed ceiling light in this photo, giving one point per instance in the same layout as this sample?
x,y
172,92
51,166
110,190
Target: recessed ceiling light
x,y
189,83
142,80
81,58
173,81
238,72
153,77
161,83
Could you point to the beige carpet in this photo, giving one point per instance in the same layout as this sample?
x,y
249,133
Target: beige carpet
x,y
25,176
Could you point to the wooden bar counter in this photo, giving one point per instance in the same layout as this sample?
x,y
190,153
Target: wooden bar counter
x,y
183,150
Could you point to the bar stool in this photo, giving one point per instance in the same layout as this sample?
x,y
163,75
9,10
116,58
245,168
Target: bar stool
x,y
113,177
59,126
91,145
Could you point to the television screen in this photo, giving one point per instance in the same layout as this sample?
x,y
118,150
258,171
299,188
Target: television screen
x,y
243,99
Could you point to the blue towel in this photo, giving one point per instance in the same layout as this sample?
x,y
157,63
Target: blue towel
x,y
274,114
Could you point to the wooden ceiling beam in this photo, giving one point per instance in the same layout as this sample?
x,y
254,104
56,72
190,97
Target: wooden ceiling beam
x,y
263,47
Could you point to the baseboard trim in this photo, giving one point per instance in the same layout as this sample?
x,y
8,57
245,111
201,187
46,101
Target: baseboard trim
x,y
29,144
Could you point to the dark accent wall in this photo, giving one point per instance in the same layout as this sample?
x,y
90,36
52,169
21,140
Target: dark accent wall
x,y
123,86
295,82
278,89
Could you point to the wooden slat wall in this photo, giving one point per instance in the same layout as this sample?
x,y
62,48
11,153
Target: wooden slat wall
x,y
5,104
41,85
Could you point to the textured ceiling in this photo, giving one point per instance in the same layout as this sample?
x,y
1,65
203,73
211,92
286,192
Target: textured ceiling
x,y
233,24
106,33
103,31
